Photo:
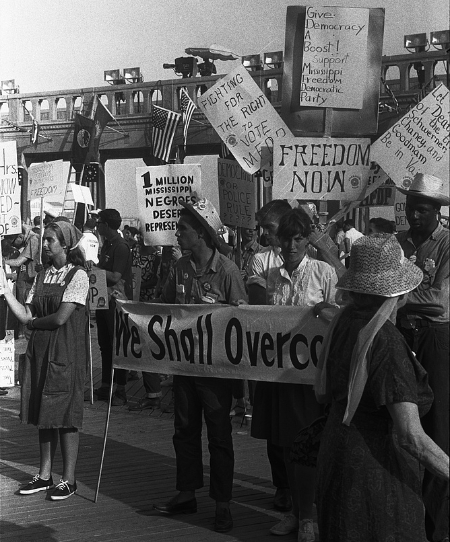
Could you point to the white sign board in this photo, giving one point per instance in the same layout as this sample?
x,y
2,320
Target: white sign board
x,y
7,360
320,168
419,142
334,57
81,194
401,224
98,291
236,195
160,189
46,180
10,220
243,117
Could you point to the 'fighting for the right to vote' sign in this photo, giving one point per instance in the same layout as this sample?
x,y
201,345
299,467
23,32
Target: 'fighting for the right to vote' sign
x,y
419,142
320,168
334,57
243,117
10,218
160,191
46,180
236,195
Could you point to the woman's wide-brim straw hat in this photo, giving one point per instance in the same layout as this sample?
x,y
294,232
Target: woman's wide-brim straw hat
x,y
205,212
427,186
379,267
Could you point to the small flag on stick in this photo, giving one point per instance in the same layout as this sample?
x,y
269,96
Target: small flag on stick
x,y
164,125
187,109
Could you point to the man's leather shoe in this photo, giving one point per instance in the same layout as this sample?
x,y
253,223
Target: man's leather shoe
x,y
223,522
174,507
146,403
282,500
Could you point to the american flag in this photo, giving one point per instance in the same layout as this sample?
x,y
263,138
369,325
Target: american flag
x,y
164,125
90,173
187,107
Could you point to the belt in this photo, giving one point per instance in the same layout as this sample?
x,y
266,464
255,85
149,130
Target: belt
x,y
419,323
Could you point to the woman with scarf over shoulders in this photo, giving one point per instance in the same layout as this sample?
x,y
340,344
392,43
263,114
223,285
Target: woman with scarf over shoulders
x,y
56,357
373,444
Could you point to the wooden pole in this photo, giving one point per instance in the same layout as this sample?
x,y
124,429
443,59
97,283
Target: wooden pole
x,y
108,414
41,232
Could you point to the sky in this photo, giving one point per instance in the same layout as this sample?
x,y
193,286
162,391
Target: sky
x,y
62,44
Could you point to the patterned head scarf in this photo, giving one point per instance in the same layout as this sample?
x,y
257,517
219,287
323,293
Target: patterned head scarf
x,y
70,233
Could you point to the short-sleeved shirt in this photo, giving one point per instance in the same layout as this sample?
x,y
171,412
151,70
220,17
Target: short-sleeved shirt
x,y
88,244
77,289
261,265
115,256
220,282
30,251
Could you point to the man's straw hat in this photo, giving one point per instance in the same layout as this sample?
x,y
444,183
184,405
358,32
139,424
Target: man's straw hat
x,y
427,186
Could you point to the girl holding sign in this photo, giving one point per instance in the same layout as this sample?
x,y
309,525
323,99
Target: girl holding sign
x,y
56,358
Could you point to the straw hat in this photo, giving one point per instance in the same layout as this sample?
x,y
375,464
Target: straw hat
x,y
206,214
379,267
427,186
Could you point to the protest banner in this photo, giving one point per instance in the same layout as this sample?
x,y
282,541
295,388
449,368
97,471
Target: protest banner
x,y
334,57
276,344
81,194
136,278
10,217
98,291
419,142
7,360
243,117
320,168
237,195
46,180
160,189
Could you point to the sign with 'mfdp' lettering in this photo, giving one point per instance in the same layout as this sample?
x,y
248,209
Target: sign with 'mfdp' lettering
x,y
160,191
98,290
334,57
419,142
320,168
46,180
237,195
243,117
276,344
10,218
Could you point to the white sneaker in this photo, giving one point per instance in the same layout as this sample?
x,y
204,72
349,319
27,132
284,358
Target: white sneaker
x,y
306,531
286,526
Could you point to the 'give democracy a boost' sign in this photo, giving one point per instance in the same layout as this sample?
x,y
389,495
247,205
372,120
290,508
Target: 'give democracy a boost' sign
x,y
276,344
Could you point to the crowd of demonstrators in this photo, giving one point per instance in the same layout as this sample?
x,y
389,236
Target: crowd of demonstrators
x,y
204,275
52,385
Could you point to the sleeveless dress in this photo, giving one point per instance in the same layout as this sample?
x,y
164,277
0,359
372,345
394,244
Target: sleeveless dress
x,y
55,361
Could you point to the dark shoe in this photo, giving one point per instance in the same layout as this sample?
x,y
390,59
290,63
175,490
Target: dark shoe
x,y
174,507
63,490
3,392
146,403
36,484
282,500
119,398
223,522
102,393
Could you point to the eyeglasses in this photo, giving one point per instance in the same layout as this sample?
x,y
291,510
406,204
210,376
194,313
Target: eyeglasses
x,y
99,222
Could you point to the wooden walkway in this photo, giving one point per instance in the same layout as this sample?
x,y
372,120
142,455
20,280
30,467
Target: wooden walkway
x,y
139,470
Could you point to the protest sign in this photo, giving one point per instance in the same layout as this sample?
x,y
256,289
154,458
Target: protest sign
x,y
10,218
320,168
46,180
98,291
418,142
236,195
277,344
334,57
401,224
81,194
160,189
384,193
136,278
7,360
243,117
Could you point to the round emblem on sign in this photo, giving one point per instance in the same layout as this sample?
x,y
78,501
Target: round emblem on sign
x,y
355,181
14,221
83,138
231,140
406,182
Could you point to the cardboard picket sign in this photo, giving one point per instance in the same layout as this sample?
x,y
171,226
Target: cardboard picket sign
x,y
81,194
160,189
320,168
46,180
237,195
7,360
243,117
417,143
10,217
98,291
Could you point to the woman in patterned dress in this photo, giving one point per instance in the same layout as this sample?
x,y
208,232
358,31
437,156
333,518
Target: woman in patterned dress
x,y
373,445
55,365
